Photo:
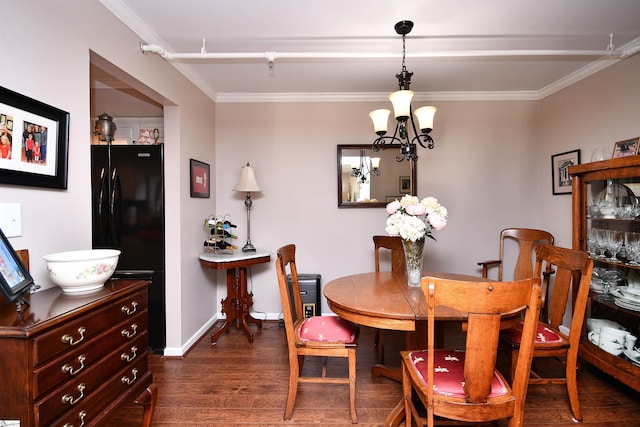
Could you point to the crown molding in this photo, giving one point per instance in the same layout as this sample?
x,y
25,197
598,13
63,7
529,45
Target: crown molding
x,y
374,97
138,26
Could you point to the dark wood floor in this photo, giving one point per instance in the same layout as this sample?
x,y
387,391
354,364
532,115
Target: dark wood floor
x,y
236,384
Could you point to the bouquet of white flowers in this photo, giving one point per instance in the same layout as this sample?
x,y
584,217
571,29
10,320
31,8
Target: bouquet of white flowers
x,y
413,219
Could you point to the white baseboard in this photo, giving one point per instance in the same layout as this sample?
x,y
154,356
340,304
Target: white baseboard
x,y
181,351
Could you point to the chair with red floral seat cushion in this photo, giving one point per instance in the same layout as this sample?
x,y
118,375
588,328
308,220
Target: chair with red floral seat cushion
x,y
464,385
323,336
572,272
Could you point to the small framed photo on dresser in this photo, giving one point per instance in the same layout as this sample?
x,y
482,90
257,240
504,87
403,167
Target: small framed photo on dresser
x,y
628,147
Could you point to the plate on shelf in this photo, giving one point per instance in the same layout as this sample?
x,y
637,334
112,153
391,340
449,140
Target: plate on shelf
x,y
620,296
629,293
633,356
628,306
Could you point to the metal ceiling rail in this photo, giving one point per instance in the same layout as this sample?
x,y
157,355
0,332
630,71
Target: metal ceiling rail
x,y
272,56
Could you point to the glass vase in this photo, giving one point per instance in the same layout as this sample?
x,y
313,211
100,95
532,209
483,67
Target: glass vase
x,y
413,259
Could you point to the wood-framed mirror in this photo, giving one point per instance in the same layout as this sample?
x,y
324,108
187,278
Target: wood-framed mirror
x,y
374,191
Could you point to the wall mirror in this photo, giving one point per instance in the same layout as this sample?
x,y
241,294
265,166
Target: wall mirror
x,y
360,187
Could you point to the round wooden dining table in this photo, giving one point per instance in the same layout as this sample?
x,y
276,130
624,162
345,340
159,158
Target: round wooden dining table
x,y
384,300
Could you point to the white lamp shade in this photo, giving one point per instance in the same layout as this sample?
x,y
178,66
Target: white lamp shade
x,y
375,162
247,181
380,119
425,117
401,101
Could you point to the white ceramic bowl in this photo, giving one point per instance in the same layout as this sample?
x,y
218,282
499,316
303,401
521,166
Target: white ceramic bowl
x,y
84,271
611,334
612,348
594,324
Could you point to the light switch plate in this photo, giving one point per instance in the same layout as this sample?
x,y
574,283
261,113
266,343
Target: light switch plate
x,y
11,219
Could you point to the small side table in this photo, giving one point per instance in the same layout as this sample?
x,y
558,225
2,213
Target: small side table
x,y
239,301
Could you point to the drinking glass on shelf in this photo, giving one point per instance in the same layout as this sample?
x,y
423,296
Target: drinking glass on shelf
x,y
600,242
594,244
632,246
614,240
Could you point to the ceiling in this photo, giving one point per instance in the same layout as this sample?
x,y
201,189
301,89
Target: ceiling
x,y
348,49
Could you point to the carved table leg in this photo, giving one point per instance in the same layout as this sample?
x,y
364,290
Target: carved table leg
x,y
247,300
228,306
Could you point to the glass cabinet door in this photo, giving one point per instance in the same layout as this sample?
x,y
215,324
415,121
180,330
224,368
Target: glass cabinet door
x,y
613,242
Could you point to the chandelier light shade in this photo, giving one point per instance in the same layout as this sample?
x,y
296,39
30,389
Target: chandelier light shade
x,y
248,184
402,111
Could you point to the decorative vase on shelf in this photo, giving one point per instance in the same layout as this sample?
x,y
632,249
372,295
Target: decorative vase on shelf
x,y
413,258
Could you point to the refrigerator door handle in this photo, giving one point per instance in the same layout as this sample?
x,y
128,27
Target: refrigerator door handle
x,y
103,184
116,207
102,222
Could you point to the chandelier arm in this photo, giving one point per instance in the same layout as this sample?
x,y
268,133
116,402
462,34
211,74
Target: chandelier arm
x,y
381,142
415,130
427,138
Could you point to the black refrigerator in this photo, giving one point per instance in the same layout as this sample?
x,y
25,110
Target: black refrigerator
x,y
127,193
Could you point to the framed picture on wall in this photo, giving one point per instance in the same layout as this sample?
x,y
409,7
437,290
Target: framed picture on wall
x,y
34,139
628,147
199,179
405,184
560,163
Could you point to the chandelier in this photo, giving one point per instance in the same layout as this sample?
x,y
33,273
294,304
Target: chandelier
x,y
365,168
401,101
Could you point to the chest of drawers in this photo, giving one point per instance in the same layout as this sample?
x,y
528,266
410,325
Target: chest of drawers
x,y
72,360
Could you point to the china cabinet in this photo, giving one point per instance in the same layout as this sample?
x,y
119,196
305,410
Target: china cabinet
x,y
71,360
606,223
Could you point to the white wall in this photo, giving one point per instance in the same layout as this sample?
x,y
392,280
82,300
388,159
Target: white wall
x,y
481,170
490,167
48,59
595,112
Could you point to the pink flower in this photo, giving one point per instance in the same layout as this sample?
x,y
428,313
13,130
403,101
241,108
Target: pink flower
x,y
416,210
392,207
437,221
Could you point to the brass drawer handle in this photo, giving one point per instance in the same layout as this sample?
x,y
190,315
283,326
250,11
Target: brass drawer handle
x,y
129,381
68,339
68,369
129,357
129,334
67,398
82,416
129,311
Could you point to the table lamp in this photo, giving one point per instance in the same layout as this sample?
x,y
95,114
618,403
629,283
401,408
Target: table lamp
x,y
247,183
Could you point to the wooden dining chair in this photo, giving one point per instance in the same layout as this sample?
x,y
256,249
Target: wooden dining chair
x,y
323,336
396,250
572,271
394,245
464,385
526,240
